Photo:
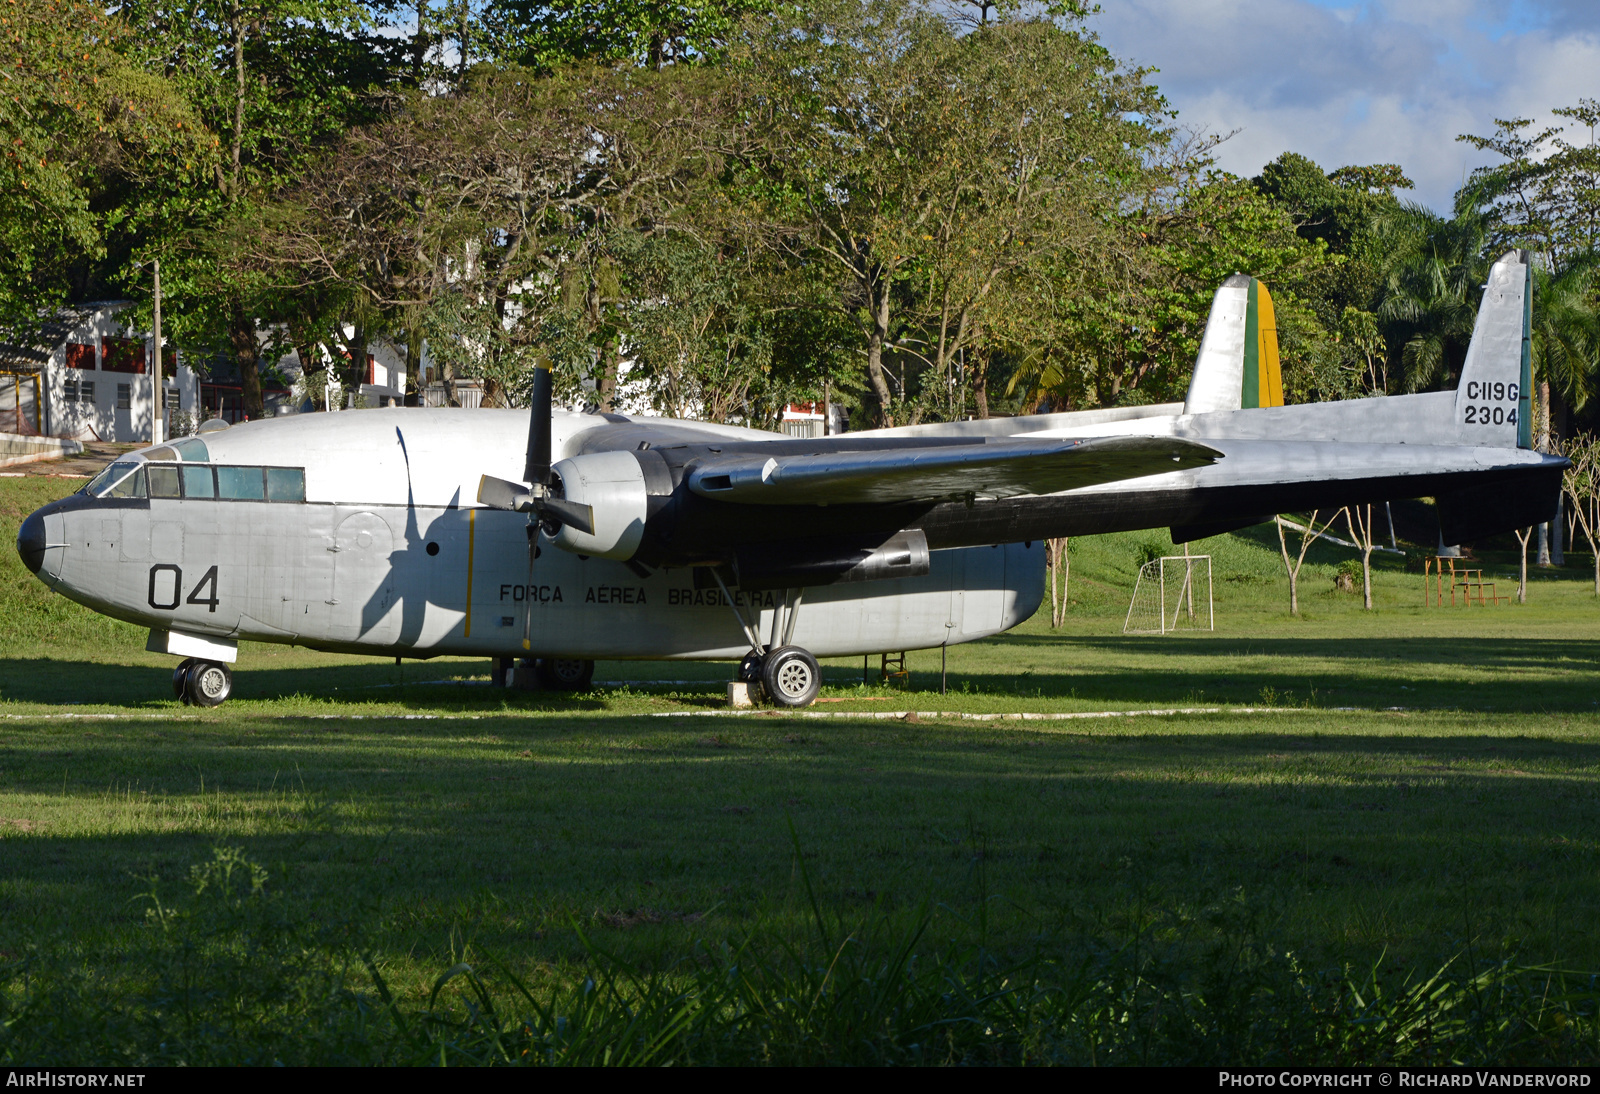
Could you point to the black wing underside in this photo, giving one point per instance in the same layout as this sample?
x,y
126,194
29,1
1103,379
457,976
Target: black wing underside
x,y
996,469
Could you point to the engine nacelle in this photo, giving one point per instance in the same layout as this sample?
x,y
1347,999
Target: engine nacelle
x,y
612,484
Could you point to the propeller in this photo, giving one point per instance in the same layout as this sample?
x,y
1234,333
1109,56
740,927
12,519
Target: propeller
x,y
538,495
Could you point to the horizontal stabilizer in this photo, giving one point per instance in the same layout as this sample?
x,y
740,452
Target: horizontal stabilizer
x,y
996,469
1494,507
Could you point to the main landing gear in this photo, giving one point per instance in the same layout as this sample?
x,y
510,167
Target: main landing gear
x,y
787,674
202,683
791,677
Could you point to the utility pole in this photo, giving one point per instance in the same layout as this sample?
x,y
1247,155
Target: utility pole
x,y
159,395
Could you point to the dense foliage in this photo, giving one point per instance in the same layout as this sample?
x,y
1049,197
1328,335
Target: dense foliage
x,y
721,207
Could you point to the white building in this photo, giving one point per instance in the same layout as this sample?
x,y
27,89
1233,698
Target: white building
x,y
83,374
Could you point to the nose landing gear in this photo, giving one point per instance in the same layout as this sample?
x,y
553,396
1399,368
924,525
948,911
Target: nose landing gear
x,y
202,683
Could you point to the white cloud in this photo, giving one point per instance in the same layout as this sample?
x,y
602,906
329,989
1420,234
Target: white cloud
x,y
1350,83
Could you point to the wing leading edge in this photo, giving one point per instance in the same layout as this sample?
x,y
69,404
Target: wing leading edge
x,y
995,469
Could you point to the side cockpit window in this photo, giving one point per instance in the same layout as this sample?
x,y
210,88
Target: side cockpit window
x,y
286,484
198,483
262,483
129,486
110,482
240,484
163,481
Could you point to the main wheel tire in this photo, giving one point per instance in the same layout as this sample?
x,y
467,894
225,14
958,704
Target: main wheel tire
x,y
180,680
565,673
208,684
791,677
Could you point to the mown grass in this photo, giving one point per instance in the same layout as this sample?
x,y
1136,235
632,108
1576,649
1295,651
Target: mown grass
x,y
1247,871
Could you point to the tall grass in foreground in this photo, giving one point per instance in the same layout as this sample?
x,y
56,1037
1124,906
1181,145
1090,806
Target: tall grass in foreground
x,y
236,974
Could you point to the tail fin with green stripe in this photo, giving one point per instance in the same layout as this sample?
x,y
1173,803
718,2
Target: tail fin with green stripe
x,y
1238,363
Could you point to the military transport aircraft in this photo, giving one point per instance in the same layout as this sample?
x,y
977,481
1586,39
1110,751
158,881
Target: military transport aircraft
x,y
421,532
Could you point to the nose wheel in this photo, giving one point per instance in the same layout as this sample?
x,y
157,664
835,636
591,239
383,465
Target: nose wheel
x,y
202,683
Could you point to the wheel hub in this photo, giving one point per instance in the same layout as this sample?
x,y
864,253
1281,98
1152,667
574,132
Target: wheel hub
x,y
794,678
213,683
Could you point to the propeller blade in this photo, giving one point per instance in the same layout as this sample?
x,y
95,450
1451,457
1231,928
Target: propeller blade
x,y
573,514
538,466
500,494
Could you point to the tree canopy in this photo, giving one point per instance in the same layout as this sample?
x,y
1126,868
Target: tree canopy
x,y
720,208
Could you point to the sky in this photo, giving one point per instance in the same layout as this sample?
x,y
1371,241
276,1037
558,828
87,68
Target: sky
x,y
1360,83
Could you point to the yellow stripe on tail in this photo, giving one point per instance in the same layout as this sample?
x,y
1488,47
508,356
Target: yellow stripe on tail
x,y
1263,379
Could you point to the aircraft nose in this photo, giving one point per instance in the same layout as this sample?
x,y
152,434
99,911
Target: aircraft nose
x,y
30,541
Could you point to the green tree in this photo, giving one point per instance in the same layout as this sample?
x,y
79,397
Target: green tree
x,y
646,33
1433,279
276,82
85,134
1133,337
1342,210
485,217
923,167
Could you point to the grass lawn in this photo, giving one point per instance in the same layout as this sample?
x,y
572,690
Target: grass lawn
x,y
1421,783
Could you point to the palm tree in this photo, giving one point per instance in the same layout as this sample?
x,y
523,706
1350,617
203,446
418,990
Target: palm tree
x,y
1433,278
1566,328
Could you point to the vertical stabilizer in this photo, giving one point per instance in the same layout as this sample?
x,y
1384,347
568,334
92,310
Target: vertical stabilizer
x,y
1493,405
1238,363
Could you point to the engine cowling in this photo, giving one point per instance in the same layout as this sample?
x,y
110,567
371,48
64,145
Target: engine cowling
x,y
612,484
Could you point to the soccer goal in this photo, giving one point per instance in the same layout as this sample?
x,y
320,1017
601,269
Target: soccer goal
x,y
1173,593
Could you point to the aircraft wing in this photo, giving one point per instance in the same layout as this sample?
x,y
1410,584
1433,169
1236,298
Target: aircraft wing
x,y
996,468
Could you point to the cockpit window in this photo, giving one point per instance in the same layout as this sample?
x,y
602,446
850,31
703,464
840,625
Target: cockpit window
x,y
197,482
240,483
286,484
163,480
187,449
108,479
130,486
138,479
192,450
